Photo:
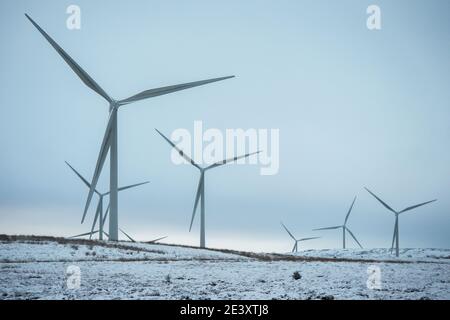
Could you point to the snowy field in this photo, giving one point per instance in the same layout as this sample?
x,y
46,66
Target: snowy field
x,y
37,269
411,255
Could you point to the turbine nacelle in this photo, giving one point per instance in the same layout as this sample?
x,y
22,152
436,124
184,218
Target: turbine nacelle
x,y
114,105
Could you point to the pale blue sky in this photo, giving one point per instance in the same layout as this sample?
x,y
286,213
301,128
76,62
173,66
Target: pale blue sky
x,y
354,107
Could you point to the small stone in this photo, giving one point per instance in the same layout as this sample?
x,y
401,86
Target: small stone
x,y
296,275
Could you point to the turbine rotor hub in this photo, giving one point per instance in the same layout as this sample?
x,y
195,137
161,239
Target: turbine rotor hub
x,y
114,105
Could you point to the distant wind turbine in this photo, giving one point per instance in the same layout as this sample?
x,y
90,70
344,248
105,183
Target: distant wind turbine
x,y
395,237
296,241
99,212
201,184
344,227
109,143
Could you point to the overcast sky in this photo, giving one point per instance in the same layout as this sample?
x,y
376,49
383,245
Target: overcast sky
x,y
354,108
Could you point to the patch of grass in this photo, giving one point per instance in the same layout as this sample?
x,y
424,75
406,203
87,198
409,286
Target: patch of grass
x,y
32,239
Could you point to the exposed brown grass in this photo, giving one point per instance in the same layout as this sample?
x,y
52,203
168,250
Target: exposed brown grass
x,y
65,241
269,257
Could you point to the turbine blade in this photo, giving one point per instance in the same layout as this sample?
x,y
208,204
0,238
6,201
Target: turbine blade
x,y
223,162
156,240
197,197
79,175
305,239
328,228
82,235
285,228
82,178
417,205
293,248
97,213
131,239
87,80
106,215
100,160
353,236
169,89
349,210
133,186
128,187
185,156
381,201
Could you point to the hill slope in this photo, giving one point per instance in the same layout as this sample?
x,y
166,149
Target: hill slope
x,y
42,267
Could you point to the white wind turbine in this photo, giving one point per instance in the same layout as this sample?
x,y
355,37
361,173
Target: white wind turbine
x,y
395,237
344,227
99,215
109,142
201,185
296,241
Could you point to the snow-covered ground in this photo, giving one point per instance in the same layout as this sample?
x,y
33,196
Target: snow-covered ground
x,y
38,270
48,251
418,255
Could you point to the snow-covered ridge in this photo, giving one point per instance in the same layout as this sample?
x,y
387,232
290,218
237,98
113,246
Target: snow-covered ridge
x,y
64,250
48,249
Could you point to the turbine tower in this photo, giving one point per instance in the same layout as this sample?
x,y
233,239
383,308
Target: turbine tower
x,y
296,241
109,143
201,185
344,227
99,212
395,237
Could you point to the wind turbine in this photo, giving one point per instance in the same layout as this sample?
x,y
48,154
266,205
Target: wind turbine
x,y
395,237
201,185
99,212
109,142
344,227
295,248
